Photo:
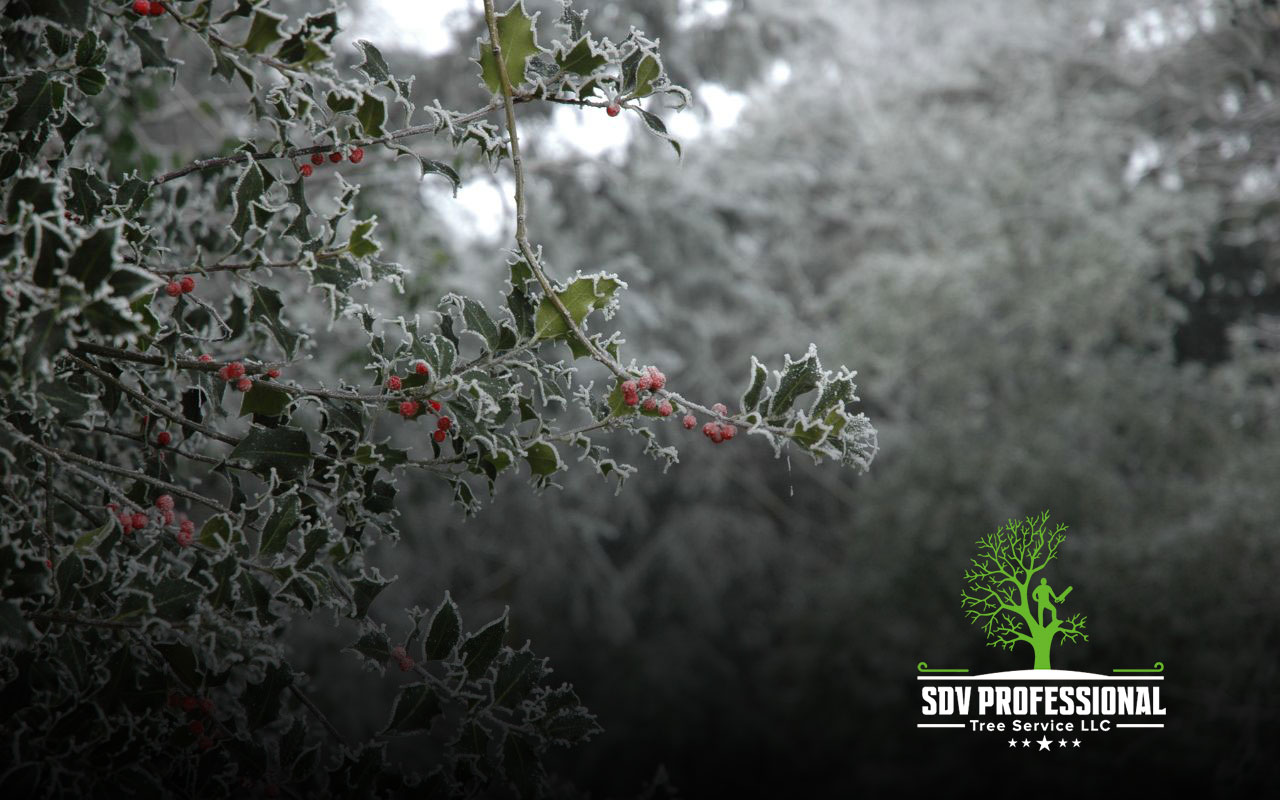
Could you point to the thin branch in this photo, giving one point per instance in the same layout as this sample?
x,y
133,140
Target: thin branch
x,y
172,488
295,152
72,619
315,709
153,405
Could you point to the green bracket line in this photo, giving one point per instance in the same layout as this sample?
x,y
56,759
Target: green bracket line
x,y
1158,667
923,667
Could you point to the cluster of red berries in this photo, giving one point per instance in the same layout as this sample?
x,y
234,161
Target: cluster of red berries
x,y
402,658
717,432
184,286
193,706
67,215
235,372
651,380
355,157
147,8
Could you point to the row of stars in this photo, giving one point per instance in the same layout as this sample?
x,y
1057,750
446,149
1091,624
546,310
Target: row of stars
x,y
1044,742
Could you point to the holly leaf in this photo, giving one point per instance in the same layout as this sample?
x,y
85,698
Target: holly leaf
x,y
37,98
286,450
518,42
264,31
580,297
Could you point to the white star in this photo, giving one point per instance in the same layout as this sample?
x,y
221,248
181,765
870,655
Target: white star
x,y
1026,743
1044,743
1013,742
1062,743
1075,742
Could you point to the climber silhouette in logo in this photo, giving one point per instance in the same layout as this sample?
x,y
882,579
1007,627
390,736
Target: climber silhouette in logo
x,y
1045,598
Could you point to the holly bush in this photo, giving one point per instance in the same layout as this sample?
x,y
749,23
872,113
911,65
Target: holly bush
x,y
185,481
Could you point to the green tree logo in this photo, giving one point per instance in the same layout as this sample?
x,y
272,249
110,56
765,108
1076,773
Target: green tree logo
x,y
1005,596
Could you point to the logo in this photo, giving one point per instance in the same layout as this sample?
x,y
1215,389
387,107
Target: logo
x,y
1009,596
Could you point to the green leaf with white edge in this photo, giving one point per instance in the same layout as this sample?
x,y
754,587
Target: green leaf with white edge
x,y
478,320
87,50
361,244
91,81
215,532
286,450
416,705
658,128
372,114
175,598
264,31
268,311
617,401
87,540
429,166
796,379
93,258
580,297
543,459
249,187
37,98
446,627
581,59
835,393
363,591
518,41
150,49
275,535
646,73
374,65
481,647
759,380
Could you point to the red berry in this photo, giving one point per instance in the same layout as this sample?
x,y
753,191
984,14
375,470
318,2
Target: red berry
x,y
142,7
435,406
709,429
644,383
409,408
244,384
126,521
650,404
48,564
205,743
188,284
420,368
728,431
173,289
206,705
163,438
317,159
689,421
156,8
187,527
665,409
719,408
164,502
439,436
166,517
185,538
232,371
398,653
630,398
393,383
205,358
356,155
139,521
189,703
306,170
335,156
612,110
196,727
273,373
444,423
656,379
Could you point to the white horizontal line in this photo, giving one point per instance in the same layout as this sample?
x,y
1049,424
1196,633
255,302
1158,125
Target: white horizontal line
x,y
1139,725
939,725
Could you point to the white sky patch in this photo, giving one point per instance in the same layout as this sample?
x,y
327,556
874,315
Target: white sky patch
x,y
483,208
588,131
696,12
421,24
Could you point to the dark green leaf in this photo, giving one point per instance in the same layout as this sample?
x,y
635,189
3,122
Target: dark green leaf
x,y
481,647
445,629
37,98
264,31
264,399
286,450
415,707
275,536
